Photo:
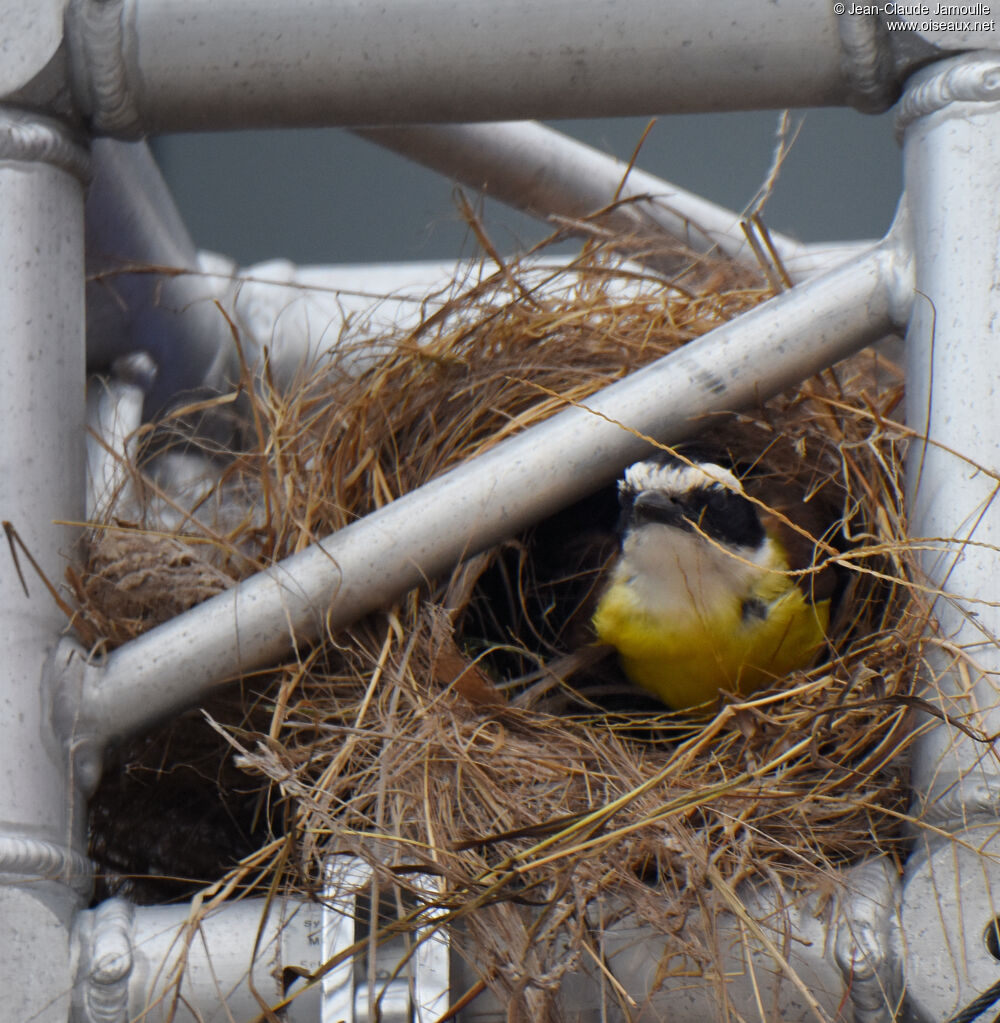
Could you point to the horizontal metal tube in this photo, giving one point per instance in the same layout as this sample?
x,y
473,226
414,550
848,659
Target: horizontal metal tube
x,y
155,964
183,65
376,559
543,172
807,953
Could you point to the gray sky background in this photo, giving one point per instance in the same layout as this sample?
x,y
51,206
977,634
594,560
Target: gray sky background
x,y
325,196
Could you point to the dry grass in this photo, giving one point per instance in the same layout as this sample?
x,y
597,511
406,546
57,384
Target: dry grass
x,y
461,732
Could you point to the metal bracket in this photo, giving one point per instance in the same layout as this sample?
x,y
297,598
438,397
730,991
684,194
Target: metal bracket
x,y
409,979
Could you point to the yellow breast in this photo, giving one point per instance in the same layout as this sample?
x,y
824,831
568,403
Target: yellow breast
x,y
685,659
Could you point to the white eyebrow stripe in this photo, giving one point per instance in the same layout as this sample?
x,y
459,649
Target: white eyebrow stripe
x,y
678,479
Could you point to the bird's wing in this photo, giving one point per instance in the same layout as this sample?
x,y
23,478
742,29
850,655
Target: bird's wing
x,y
803,530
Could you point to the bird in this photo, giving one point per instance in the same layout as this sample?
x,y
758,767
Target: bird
x,y
704,595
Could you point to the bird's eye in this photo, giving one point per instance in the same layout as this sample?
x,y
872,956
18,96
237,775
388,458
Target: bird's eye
x,y
721,506
730,517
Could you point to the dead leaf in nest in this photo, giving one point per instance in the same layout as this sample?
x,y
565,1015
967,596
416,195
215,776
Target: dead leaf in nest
x,y
453,669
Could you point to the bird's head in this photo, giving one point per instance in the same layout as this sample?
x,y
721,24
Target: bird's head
x,y
694,497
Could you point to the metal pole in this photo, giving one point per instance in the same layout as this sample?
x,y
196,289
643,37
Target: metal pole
x,y
153,66
43,872
423,533
543,172
139,296
950,117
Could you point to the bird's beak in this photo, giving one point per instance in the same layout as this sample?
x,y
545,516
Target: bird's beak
x,y
655,506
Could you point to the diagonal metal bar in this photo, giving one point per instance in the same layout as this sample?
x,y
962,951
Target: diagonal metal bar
x,y
376,559
144,291
543,172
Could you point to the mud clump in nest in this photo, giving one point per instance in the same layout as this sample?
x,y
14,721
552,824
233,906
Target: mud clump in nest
x,y
468,732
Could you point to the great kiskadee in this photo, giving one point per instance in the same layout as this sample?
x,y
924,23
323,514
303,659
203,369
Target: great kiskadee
x,y
704,594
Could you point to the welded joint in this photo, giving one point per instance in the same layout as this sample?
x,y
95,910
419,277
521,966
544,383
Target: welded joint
x,y
960,801
28,859
970,78
99,76
867,61
866,941
28,137
65,679
103,943
897,267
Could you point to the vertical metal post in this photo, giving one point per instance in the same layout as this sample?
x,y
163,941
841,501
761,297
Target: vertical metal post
x,y
43,872
950,117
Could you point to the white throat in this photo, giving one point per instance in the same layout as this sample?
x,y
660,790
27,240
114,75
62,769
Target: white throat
x,y
675,573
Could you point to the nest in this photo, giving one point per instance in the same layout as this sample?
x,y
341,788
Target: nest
x,y
468,731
